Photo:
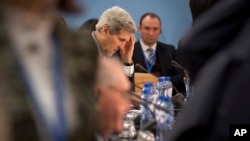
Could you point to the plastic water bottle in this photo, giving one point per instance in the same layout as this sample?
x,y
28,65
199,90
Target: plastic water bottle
x,y
146,99
148,85
159,86
153,92
164,118
168,86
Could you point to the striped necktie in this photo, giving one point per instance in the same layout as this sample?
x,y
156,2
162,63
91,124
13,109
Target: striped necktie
x,y
151,56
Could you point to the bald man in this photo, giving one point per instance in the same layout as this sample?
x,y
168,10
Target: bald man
x,y
112,102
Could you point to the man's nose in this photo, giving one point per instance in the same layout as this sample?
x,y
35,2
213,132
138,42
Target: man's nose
x,y
151,32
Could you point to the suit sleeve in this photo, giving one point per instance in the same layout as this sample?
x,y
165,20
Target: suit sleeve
x,y
177,76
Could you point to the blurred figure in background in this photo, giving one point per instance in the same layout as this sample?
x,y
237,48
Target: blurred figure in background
x,y
217,54
89,25
47,94
112,95
156,56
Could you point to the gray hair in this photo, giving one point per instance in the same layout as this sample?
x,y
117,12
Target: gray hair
x,y
116,19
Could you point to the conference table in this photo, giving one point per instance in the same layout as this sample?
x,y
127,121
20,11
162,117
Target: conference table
x,y
130,121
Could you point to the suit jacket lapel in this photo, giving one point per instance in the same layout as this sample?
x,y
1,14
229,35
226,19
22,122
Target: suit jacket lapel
x,y
138,55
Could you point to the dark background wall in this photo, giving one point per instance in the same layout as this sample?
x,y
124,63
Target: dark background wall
x,y
175,14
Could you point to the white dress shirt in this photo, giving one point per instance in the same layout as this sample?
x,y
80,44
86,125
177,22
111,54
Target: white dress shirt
x,y
145,47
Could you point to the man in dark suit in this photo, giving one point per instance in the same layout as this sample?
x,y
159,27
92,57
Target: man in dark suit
x,y
45,90
114,36
163,54
216,52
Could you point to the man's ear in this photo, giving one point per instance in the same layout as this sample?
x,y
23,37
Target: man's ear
x,y
105,29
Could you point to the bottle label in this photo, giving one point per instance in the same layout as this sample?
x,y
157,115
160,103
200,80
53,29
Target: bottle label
x,y
161,116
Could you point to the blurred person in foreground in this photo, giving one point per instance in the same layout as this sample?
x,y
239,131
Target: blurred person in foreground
x,y
154,55
46,94
114,36
112,95
216,52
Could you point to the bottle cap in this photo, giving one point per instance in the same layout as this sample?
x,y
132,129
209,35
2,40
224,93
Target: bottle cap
x,y
167,78
148,84
146,90
164,98
161,79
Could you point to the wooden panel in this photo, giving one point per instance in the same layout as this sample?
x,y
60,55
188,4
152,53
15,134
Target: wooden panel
x,y
141,78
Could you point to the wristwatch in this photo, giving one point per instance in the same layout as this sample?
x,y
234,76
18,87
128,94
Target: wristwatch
x,y
128,64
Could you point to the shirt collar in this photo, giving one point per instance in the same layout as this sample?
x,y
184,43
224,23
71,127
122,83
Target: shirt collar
x,y
145,47
97,44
